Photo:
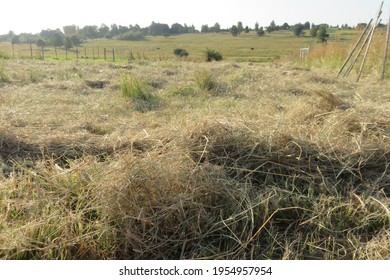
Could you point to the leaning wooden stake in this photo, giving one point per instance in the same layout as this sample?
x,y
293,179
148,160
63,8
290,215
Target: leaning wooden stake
x,y
354,48
370,41
386,49
358,54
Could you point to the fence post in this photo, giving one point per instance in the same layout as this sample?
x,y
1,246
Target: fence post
x,y
85,53
43,53
93,53
31,54
98,52
386,49
77,53
66,52
55,49
113,54
105,54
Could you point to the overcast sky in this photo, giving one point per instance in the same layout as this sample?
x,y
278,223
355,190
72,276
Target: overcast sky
x,y
35,15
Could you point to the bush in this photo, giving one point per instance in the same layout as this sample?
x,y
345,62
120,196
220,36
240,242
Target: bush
x,y
213,55
132,36
181,52
261,32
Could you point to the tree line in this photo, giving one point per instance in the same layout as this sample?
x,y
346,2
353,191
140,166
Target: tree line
x,y
72,35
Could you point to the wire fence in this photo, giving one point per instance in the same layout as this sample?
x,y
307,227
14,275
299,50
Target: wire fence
x,y
113,54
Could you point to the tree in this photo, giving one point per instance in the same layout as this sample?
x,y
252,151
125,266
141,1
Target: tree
x,y
123,29
177,28
285,26
114,30
307,25
216,28
103,30
314,31
247,29
90,31
298,29
156,29
57,40
234,30
76,40
257,26
205,29
70,29
322,34
41,43
68,42
271,27
15,40
261,32
240,27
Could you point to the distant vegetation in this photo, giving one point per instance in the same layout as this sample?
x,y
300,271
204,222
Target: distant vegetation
x,y
72,35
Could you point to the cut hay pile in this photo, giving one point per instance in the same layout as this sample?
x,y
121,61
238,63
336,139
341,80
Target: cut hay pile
x,y
253,168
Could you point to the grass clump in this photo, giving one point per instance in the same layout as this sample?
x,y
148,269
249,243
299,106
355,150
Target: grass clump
x,y
3,55
205,80
135,89
140,93
182,91
3,75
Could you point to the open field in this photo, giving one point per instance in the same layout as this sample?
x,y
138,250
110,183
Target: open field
x,y
274,46
183,160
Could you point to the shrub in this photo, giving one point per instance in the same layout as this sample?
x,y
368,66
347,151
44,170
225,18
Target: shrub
x,y
181,52
205,80
213,55
261,32
132,36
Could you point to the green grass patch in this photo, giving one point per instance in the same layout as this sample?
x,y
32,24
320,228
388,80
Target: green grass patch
x,y
135,89
182,91
3,75
204,80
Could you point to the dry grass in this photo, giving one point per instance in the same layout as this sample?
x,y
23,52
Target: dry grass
x,y
282,163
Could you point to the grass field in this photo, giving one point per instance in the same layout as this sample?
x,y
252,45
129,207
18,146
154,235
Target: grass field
x,y
244,48
192,160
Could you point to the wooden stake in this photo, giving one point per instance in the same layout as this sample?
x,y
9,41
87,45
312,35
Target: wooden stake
x,y
386,49
370,41
358,54
354,48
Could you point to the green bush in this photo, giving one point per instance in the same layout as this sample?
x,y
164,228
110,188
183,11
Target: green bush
x,y
181,52
213,55
132,36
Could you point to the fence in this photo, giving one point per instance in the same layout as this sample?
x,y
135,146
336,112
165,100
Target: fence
x,y
91,53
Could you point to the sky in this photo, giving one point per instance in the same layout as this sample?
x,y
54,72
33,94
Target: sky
x,y
33,16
